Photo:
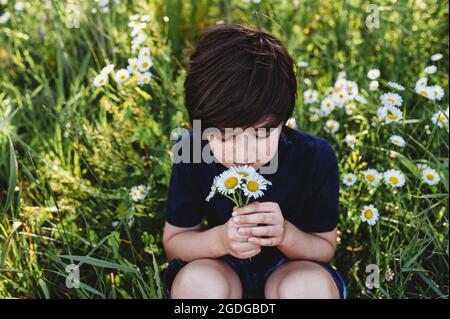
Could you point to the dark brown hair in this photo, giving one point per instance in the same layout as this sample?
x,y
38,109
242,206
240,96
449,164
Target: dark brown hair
x,y
239,76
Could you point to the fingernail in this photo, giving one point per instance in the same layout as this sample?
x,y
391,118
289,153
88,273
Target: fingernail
x,y
233,214
236,219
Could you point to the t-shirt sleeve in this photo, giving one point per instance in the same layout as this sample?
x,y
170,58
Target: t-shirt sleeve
x,y
321,210
184,206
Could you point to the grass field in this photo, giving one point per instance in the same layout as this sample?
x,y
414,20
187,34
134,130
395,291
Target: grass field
x,y
75,142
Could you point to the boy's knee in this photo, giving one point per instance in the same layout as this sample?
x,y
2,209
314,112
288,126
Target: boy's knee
x,y
201,278
308,282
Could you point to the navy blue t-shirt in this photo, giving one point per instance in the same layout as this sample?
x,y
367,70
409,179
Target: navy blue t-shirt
x,y
305,186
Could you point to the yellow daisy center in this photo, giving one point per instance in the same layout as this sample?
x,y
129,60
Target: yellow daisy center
x,y
441,118
243,173
371,178
392,116
423,93
391,100
122,77
349,179
430,176
231,182
394,180
252,186
368,213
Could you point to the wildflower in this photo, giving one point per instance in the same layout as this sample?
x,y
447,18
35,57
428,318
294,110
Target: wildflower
x,y
291,122
144,78
397,140
393,114
107,69
372,176
144,64
310,96
396,86
391,99
373,74
139,192
422,167
374,85
440,118
436,57
430,176
101,80
369,214
228,182
122,75
133,65
254,184
436,92
327,106
394,178
350,140
349,179
431,69
331,126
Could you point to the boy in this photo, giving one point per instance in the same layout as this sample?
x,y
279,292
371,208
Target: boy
x,y
277,246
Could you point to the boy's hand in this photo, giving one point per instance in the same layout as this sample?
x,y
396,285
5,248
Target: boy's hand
x,y
236,244
267,213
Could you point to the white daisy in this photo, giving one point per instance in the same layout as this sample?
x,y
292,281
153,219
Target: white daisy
x,y
291,122
302,64
213,190
349,179
397,140
254,184
139,192
133,65
340,98
440,118
349,108
420,84
144,78
393,114
352,89
394,178
431,69
437,92
391,99
369,214
437,57
350,140
107,69
430,176
340,84
101,80
373,177
144,53
228,182
374,85
396,86
373,74
331,126
144,64
327,106
122,75
310,96
243,170
422,167
138,40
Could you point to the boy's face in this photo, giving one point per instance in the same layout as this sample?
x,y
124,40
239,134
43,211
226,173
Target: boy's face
x,y
254,146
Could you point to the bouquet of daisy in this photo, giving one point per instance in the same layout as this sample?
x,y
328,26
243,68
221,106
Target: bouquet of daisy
x,y
239,184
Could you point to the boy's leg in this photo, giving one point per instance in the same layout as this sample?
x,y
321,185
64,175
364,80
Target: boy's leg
x,y
300,279
206,278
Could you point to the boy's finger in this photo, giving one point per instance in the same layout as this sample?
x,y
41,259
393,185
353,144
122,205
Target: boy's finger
x,y
262,241
259,231
257,218
243,247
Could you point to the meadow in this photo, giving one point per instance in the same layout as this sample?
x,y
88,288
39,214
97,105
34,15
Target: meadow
x,y
91,91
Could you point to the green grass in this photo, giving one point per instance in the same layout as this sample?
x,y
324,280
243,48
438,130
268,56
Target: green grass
x,y
70,152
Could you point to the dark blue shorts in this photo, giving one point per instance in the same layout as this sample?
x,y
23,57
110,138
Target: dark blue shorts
x,y
253,281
